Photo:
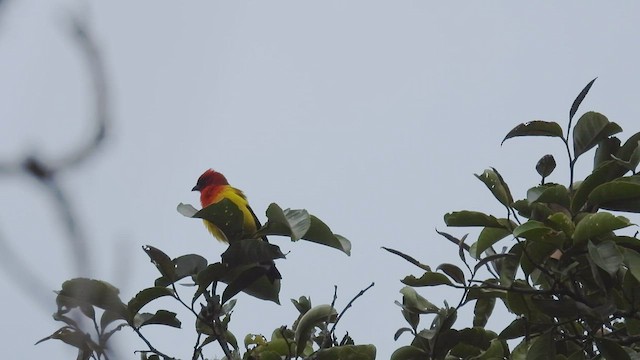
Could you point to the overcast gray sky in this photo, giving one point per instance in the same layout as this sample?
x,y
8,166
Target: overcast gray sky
x,y
372,115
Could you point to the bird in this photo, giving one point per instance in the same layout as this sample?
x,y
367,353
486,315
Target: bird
x,y
214,187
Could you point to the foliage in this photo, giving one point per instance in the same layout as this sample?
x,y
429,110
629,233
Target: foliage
x,y
244,268
565,272
571,282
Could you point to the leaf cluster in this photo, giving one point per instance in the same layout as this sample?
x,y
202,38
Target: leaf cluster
x,y
246,266
565,273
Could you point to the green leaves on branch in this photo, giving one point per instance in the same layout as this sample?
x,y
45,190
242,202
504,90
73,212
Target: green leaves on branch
x,y
572,281
297,224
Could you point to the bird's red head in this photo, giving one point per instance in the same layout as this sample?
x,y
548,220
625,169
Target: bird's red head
x,y
210,178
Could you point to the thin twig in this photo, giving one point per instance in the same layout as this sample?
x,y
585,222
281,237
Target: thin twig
x,y
151,347
348,306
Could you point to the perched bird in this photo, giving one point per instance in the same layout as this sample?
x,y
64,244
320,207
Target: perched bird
x,y
214,187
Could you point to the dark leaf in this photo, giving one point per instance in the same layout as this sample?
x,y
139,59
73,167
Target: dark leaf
x,y
162,261
578,100
611,350
415,303
620,195
82,292
488,236
542,348
356,352
549,193
427,279
535,128
401,331
288,222
532,229
189,265
632,261
546,165
409,259
606,255
453,272
409,353
243,281
161,317
496,184
591,128
250,251
595,225
606,150
146,296
482,311
471,218
491,258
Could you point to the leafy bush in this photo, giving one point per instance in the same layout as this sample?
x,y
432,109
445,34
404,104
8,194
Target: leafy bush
x,y
571,282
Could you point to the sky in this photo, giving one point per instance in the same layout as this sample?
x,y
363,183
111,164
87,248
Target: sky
x,y
372,115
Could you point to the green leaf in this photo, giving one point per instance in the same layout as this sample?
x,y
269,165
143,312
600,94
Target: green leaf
x,y
531,229
471,218
488,236
578,100
629,148
542,348
535,128
243,281
598,224
409,353
619,195
348,352
315,316
212,273
632,261
320,233
189,265
146,296
303,304
427,279
298,224
409,259
606,255
606,172
288,222
482,311
162,261
591,128
247,280
496,184
549,193
453,272
75,338
250,251
495,351
546,165
161,317
611,350
415,303
81,292
563,223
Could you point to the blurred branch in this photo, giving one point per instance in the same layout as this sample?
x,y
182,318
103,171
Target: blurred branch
x,y
47,171
27,280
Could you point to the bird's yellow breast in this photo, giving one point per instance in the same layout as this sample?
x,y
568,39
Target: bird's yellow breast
x,y
237,197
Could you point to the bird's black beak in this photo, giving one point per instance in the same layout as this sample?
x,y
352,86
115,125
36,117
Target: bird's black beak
x,y
196,188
